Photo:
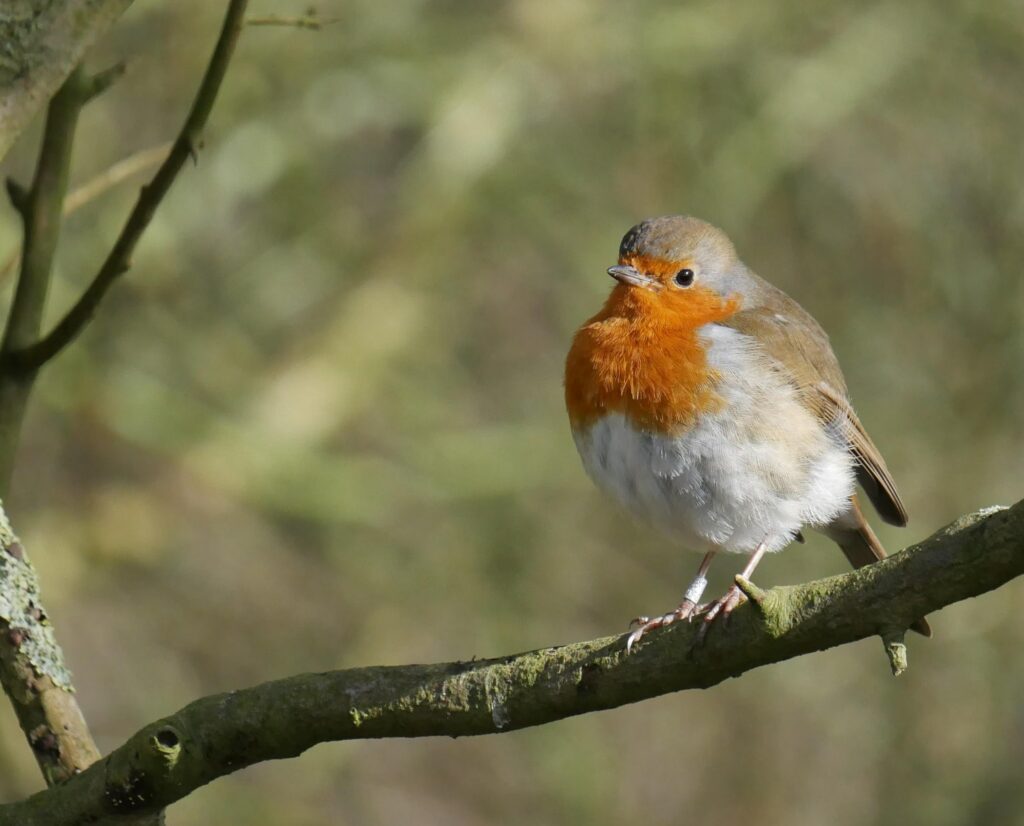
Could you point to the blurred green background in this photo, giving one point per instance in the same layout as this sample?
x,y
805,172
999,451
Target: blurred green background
x,y
319,424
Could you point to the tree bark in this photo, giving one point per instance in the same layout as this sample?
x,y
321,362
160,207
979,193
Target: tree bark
x,y
214,736
41,41
32,669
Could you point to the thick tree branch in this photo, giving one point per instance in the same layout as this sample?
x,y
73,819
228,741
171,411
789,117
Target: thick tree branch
x,y
34,355
32,669
41,41
217,735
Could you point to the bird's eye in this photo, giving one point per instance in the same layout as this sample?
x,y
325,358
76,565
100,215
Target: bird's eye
x,y
684,278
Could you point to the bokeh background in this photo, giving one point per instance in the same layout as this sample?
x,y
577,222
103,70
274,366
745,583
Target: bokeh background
x,y
319,424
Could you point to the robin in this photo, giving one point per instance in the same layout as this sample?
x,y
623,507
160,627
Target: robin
x,y
710,404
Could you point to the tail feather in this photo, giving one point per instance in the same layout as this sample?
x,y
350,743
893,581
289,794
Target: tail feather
x,y
858,542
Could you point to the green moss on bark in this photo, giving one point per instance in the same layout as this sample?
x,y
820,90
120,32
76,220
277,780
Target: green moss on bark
x,y
218,735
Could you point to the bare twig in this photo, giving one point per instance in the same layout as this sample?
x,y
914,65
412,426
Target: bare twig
x,y
95,187
309,21
40,209
113,175
215,736
33,356
101,81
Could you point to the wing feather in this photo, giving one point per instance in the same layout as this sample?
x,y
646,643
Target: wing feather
x,y
799,347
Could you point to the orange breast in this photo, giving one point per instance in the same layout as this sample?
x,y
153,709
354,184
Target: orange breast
x,y
641,356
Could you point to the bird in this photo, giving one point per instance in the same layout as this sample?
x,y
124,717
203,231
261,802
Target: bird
x,y
709,404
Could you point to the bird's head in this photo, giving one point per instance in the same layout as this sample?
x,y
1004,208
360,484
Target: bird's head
x,y
677,262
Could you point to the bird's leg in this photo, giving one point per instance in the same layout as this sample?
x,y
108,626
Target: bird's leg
x,y
734,596
687,608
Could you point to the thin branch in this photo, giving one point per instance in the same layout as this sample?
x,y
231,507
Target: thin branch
x,y
217,735
40,210
101,81
113,175
33,356
310,21
94,187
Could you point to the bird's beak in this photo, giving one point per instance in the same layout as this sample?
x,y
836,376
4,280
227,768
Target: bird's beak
x,y
625,274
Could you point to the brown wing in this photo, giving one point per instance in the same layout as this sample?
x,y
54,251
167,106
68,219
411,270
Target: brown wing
x,y
801,349
872,472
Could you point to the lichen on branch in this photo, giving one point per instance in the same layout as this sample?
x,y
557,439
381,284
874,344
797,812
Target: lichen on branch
x,y
217,735
21,610
32,669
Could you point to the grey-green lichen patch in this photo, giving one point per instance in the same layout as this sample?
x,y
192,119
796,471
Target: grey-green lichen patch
x,y
967,520
896,651
496,687
22,612
39,34
21,22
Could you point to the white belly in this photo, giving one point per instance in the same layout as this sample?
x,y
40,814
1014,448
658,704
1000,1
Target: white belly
x,y
756,471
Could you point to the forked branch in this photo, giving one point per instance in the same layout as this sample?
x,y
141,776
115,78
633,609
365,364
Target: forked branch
x,y
31,669
118,261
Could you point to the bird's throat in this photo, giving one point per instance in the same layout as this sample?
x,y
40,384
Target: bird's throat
x,y
644,357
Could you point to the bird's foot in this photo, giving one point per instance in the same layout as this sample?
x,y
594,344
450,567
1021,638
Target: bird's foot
x,y
686,611
723,606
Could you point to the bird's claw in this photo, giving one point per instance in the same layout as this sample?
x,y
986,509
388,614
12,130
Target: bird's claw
x,y
686,610
724,605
